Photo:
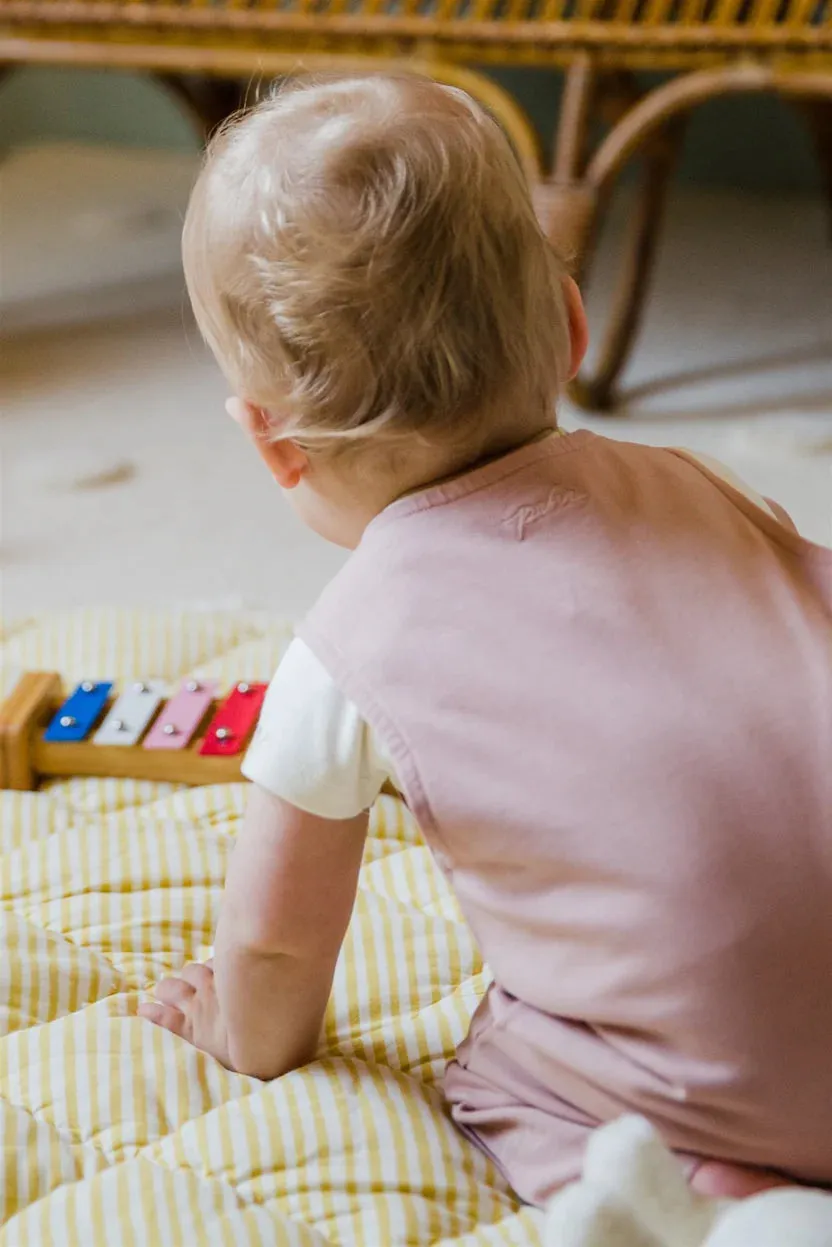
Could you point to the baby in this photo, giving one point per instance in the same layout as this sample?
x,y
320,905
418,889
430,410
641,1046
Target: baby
x,y
599,673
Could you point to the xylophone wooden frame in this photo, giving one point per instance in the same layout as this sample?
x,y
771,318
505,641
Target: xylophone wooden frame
x,y
26,758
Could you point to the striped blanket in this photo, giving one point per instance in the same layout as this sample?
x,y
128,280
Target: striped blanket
x,y
114,1132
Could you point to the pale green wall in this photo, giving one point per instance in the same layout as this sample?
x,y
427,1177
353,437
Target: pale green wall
x,y
91,104
754,142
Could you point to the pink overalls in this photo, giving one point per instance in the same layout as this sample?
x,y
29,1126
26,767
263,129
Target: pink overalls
x,y
605,679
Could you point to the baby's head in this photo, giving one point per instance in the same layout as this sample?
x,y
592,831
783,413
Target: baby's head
x,y
364,260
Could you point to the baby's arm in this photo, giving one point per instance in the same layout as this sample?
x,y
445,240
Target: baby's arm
x,y
316,768
289,895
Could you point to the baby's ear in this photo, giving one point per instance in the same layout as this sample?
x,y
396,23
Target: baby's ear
x,y
253,420
236,409
578,328
284,459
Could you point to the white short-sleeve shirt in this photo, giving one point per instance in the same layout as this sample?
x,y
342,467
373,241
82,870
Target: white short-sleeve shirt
x,y
314,750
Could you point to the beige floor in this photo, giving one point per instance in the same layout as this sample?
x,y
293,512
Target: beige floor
x,y
124,482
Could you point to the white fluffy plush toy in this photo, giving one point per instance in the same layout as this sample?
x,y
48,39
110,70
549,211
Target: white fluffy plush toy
x,y
633,1194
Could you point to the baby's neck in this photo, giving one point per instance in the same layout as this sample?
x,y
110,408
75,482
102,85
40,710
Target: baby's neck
x,y
459,465
348,501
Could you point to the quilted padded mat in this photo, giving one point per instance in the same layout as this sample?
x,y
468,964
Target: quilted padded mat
x,y
114,1132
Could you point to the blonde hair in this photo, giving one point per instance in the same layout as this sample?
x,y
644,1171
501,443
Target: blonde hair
x,y
364,260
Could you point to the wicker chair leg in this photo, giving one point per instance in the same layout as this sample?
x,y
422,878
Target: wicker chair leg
x,y
661,111
208,101
597,390
565,203
571,206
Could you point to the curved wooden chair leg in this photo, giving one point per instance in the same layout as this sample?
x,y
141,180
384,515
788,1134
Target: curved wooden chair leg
x,y
571,205
596,391
208,101
565,204
657,113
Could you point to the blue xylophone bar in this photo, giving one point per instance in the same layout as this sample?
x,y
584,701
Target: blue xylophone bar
x,y
75,719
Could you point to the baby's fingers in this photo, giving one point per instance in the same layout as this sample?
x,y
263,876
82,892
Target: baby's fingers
x,y
176,992
166,1016
199,975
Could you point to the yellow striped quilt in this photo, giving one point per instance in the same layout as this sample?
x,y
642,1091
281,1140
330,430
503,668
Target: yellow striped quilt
x,y
116,1133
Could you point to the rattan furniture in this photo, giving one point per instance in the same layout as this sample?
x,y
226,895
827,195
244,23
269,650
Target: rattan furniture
x,y
203,50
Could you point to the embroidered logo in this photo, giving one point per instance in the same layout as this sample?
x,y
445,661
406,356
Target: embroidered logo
x,y
530,513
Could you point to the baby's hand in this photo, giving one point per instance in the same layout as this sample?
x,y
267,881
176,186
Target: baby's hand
x,y
188,1006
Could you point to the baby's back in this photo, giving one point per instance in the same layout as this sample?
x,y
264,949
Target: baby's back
x,y
606,681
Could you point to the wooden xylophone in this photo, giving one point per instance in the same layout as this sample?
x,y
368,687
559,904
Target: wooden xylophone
x,y
195,736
